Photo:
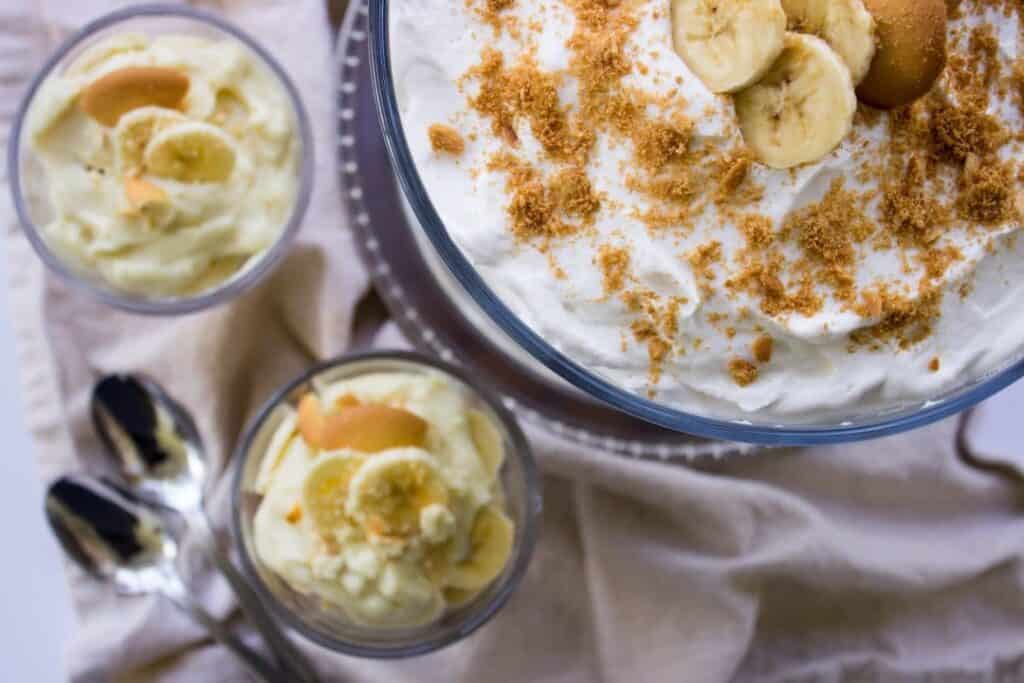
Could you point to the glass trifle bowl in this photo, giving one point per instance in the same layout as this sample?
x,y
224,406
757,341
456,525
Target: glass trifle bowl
x,y
324,529
161,160
844,377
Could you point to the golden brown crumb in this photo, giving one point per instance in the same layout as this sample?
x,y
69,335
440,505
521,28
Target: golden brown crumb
x,y
762,278
972,74
934,364
762,348
491,11
904,321
1016,81
758,231
614,264
676,189
908,212
702,259
294,515
743,372
734,176
659,144
960,131
574,194
986,196
828,230
531,210
937,261
444,138
519,172
507,94
645,332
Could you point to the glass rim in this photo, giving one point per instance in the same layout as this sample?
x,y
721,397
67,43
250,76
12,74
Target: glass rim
x,y
532,508
241,281
918,413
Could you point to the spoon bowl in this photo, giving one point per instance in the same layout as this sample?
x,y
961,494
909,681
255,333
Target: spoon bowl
x,y
115,539
153,441
110,536
153,445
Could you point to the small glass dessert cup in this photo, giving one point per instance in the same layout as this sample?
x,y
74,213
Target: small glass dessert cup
x,y
312,590
209,276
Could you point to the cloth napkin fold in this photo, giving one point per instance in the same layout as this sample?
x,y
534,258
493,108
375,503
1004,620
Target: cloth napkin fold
x,y
888,561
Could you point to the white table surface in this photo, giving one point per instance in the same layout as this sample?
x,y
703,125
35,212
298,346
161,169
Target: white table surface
x,y
33,594
37,618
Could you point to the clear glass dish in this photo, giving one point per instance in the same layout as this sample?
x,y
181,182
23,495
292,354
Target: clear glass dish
x,y
326,625
28,187
830,429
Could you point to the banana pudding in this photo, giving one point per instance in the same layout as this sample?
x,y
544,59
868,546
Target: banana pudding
x,y
381,496
171,162
768,210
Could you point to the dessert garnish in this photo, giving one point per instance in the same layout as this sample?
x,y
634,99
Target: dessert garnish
x,y
911,36
112,95
446,139
794,90
846,25
729,45
369,428
802,108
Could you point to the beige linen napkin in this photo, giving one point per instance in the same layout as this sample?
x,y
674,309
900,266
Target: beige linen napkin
x,y
886,561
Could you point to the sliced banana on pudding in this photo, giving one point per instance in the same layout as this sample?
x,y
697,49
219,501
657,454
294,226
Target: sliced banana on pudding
x,y
389,492
326,489
728,44
492,538
802,108
488,441
846,25
135,129
191,152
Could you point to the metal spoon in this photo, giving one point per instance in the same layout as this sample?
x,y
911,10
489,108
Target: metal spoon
x,y
114,539
157,450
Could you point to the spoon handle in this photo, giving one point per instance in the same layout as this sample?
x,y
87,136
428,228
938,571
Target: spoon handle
x,y
254,662
287,653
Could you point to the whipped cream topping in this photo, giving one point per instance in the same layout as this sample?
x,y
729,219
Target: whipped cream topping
x,y
827,361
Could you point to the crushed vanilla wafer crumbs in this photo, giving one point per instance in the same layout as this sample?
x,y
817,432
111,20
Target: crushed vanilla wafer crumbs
x,y
743,372
444,138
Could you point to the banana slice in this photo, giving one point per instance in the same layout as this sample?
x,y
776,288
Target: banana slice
x,y
728,44
191,152
846,25
492,538
276,450
803,107
326,489
135,129
488,442
457,597
390,491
